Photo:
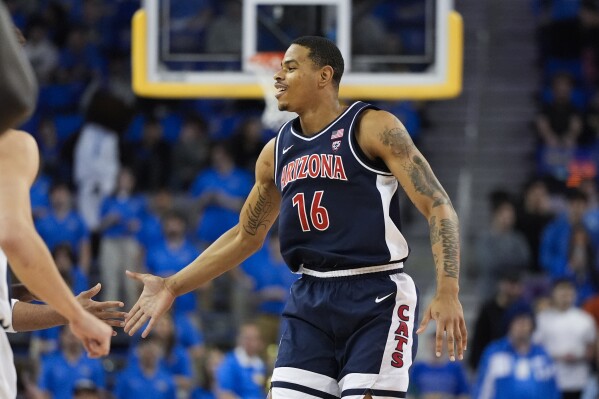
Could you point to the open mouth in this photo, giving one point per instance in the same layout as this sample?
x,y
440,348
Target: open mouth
x,y
280,90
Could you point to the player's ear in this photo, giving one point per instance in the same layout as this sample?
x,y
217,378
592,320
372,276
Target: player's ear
x,y
326,75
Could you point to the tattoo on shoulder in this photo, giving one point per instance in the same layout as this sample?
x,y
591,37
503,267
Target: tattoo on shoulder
x,y
450,242
257,214
398,140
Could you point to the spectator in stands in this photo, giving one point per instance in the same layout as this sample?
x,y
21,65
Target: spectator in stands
x,y
65,262
86,389
514,366
120,216
590,136
242,373
490,323
63,224
568,334
190,337
176,359
147,380
190,153
501,248
40,204
220,191
271,282
437,377
60,372
207,375
80,60
533,214
559,124
583,264
159,205
96,153
591,218
559,28
40,50
172,255
151,159
558,255
247,143
49,148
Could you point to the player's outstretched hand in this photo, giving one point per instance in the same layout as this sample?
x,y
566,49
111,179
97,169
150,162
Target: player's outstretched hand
x,y
102,310
93,333
154,301
447,311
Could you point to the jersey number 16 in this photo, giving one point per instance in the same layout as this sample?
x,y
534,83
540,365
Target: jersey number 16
x,y
318,213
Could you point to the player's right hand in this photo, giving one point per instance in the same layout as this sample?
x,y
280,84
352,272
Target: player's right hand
x,y
93,333
154,301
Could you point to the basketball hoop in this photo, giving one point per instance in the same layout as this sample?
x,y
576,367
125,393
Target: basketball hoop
x,y
264,65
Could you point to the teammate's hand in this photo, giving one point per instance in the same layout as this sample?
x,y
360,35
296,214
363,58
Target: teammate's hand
x,y
102,310
93,333
447,311
154,301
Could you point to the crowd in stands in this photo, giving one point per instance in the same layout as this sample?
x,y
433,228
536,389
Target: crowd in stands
x,y
144,185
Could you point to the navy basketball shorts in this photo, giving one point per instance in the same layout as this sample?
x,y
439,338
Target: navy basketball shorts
x,y
345,337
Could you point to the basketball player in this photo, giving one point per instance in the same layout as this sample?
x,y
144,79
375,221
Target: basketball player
x,y
30,259
18,88
333,174
30,317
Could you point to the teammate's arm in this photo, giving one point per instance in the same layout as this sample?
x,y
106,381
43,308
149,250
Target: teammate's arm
x,y
31,317
382,135
18,88
28,256
257,216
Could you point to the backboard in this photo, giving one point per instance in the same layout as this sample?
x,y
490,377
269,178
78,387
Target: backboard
x,y
393,49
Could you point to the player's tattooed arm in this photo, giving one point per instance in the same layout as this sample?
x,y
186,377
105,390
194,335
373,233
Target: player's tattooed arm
x,y
258,213
449,234
421,176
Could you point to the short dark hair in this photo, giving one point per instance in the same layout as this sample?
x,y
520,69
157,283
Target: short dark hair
x,y
323,52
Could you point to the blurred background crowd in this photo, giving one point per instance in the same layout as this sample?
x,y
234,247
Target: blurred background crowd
x,y
128,183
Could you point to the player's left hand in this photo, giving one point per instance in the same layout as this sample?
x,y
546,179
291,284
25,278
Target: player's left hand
x,y
447,311
102,310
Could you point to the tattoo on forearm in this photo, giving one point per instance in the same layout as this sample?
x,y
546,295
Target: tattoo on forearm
x,y
425,182
423,179
434,230
451,247
257,214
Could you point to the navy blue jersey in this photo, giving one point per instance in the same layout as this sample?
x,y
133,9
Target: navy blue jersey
x,y
339,210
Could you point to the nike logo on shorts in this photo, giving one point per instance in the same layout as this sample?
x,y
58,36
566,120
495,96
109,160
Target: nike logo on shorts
x,y
288,148
378,300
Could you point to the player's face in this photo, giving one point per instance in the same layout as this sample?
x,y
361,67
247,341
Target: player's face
x,y
297,80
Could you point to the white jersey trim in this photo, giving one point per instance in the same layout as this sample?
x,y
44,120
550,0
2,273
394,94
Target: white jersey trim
x,y
326,129
396,243
351,147
351,272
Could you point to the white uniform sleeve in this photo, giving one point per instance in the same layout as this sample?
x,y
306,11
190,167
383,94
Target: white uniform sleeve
x,y
10,328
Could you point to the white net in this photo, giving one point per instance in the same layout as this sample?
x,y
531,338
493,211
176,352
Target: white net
x,y
264,66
